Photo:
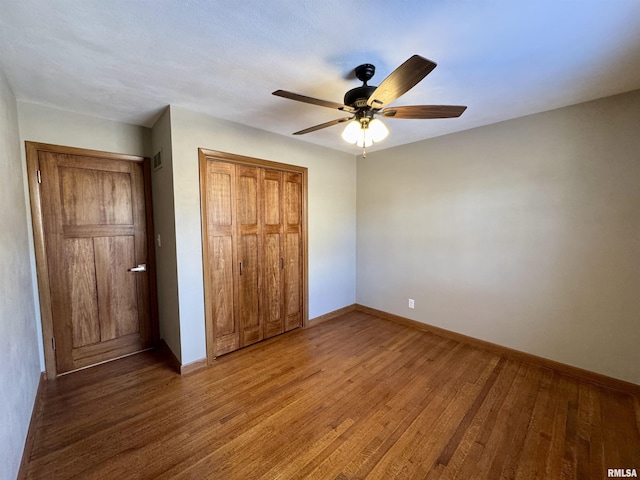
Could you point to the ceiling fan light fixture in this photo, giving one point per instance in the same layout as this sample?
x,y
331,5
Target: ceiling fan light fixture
x,y
364,132
378,130
352,132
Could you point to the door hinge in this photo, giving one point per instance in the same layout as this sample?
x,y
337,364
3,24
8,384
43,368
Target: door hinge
x,y
38,176
53,343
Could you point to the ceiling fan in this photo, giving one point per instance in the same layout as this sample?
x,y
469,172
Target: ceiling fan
x,y
364,102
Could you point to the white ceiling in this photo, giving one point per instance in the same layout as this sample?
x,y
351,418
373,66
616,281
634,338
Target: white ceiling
x,y
127,59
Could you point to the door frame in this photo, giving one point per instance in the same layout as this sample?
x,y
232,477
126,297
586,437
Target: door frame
x,y
205,155
42,267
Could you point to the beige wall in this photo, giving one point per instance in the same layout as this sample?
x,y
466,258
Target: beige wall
x,y
39,123
164,225
49,125
332,195
524,233
19,360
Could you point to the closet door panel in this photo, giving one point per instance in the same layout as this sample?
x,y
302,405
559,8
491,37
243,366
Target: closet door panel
x,y
273,254
219,195
293,199
247,198
272,197
249,286
248,192
220,240
221,267
293,269
293,250
273,324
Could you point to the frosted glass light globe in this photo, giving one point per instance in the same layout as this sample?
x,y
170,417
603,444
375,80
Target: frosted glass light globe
x,y
379,130
351,133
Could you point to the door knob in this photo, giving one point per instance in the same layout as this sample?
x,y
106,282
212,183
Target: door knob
x,y
142,267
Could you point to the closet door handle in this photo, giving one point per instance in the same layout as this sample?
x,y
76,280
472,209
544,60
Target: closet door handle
x,y
282,262
240,268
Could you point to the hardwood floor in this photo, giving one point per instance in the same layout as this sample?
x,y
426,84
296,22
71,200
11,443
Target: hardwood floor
x,y
353,397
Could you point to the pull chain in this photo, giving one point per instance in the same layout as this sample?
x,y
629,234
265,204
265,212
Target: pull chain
x,y
364,152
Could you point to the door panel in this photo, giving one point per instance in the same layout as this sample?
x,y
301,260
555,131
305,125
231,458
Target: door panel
x,y
293,288
273,324
117,302
293,269
248,196
273,254
272,201
223,278
80,278
249,246
219,197
94,228
293,196
249,287
221,233
92,197
293,251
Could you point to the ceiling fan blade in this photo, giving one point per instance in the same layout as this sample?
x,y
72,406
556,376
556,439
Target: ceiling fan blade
x,y
424,111
311,100
323,125
400,81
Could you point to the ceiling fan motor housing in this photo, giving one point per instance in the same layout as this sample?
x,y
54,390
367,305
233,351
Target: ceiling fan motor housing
x,y
357,97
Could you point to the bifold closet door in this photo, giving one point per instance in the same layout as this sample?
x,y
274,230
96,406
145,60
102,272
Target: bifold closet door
x,y
222,256
248,205
273,254
234,240
292,258
254,250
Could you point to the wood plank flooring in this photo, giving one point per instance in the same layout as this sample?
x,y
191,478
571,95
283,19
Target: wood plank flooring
x,y
354,397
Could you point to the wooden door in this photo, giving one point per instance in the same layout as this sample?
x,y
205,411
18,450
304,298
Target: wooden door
x,y
249,241
221,260
293,251
273,257
94,226
254,249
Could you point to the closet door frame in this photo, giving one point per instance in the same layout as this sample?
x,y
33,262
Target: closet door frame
x,y
206,155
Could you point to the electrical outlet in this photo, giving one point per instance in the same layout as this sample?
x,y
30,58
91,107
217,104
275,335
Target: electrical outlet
x,y
412,304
